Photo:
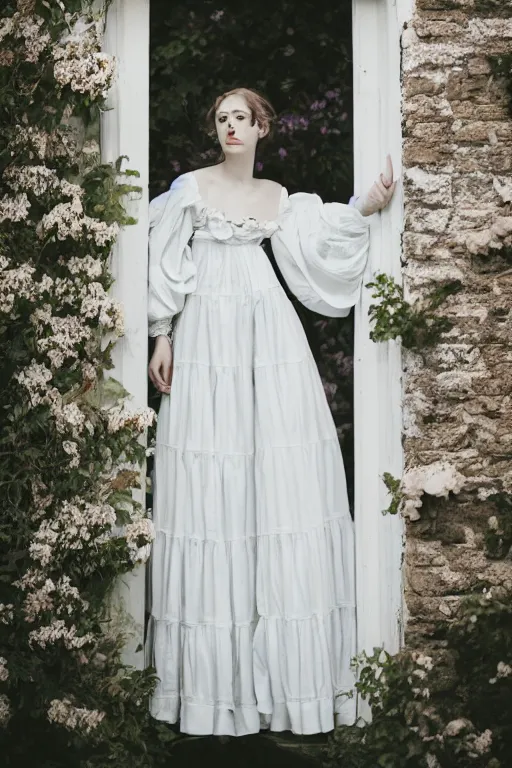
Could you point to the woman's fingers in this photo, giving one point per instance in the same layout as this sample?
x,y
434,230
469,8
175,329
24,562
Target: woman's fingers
x,y
387,176
158,379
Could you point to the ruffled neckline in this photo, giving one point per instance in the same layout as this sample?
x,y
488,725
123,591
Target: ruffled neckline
x,y
223,228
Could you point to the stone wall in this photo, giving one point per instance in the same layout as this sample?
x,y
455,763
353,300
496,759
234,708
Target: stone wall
x,y
457,130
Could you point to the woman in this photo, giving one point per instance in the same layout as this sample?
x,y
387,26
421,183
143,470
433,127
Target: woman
x,y
253,601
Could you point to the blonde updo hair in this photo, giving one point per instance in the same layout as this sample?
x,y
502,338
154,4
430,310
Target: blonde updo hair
x,y
262,111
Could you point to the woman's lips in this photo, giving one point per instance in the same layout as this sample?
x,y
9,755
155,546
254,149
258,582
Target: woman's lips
x,y
232,140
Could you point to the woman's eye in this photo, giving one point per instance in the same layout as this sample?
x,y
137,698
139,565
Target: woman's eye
x,y
222,119
240,117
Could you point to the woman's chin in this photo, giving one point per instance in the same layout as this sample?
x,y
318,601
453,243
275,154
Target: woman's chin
x,y
235,149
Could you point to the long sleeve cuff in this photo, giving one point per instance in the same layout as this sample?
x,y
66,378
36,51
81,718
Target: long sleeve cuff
x,y
161,327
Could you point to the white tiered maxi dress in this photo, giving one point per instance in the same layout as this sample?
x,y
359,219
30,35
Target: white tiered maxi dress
x,y
253,598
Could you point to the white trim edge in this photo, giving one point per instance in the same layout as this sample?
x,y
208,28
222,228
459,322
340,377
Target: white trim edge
x,y
125,131
377,367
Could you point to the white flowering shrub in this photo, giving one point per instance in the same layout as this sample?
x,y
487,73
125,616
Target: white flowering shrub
x,y
451,708
70,449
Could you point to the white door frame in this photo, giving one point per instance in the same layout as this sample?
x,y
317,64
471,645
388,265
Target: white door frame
x,y
377,390
377,26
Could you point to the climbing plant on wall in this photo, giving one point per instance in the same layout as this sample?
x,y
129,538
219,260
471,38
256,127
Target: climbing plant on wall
x,y
69,439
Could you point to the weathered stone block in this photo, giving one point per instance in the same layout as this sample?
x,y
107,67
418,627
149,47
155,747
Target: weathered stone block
x,y
428,108
436,28
431,188
480,130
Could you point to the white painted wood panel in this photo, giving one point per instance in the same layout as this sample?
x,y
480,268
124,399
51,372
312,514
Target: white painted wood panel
x,y
377,367
125,131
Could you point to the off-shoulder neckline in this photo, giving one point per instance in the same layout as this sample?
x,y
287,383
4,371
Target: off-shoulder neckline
x,y
240,222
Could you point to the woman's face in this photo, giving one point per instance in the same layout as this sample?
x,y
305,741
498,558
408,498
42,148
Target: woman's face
x,y
233,122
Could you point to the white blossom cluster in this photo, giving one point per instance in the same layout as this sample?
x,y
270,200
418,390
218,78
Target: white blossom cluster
x,y
39,144
81,65
69,419
93,300
30,136
77,524
6,613
68,334
63,712
502,670
64,316
475,744
73,451
5,710
60,596
28,28
35,379
126,415
97,304
139,536
37,179
86,265
58,630
68,220
14,208
15,284
4,672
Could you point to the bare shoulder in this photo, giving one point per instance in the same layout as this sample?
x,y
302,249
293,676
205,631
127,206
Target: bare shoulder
x,y
207,178
205,172
268,186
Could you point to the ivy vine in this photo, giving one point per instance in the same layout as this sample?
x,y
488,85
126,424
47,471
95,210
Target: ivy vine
x,y
417,325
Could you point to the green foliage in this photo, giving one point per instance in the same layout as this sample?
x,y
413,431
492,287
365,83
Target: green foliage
x,y
69,457
393,486
106,195
418,721
417,324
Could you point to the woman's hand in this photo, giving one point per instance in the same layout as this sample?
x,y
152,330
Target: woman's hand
x,y
160,366
379,196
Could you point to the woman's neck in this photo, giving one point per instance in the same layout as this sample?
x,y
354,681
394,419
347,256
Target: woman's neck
x,y
238,169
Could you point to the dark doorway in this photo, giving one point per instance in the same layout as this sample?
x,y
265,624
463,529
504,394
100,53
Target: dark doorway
x,y
299,56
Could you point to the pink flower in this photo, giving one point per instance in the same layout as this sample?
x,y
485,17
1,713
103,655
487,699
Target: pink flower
x,y
259,166
176,166
282,153
323,129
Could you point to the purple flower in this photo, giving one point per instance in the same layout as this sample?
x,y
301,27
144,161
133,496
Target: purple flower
x,y
259,166
176,166
330,94
282,153
323,129
314,106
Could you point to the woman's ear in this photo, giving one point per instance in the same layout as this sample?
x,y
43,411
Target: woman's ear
x,y
262,131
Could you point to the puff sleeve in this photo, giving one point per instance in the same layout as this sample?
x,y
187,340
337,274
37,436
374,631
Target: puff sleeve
x,y
321,250
172,273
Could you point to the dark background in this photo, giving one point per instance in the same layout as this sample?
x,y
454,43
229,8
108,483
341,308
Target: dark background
x,y
299,56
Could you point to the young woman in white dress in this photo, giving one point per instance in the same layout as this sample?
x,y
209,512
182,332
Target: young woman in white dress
x,y
253,597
